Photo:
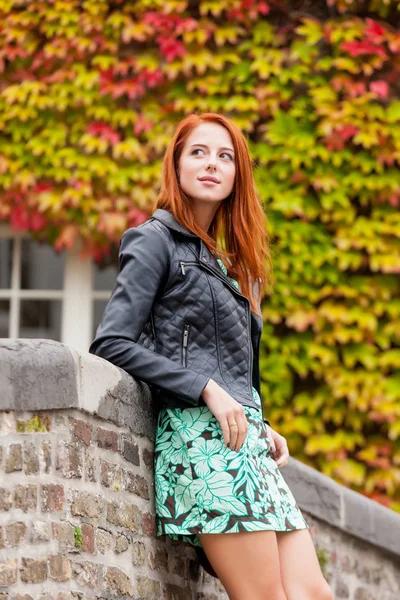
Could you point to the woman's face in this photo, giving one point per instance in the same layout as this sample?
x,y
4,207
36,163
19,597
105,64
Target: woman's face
x,y
208,152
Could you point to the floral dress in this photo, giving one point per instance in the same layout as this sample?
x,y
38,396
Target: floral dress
x,y
201,486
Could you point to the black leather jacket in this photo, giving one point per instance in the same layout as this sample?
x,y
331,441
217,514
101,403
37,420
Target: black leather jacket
x,y
175,320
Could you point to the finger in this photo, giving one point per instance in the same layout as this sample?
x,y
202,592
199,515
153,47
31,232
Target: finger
x,y
233,431
243,429
225,430
272,443
283,456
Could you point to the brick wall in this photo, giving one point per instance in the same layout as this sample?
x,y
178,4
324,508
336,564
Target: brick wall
x,y
77,514
77,494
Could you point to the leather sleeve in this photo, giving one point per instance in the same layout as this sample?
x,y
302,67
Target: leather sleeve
x,y
144,263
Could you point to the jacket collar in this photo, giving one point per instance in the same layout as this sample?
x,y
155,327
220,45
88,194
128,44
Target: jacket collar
x,y
166,217
169,220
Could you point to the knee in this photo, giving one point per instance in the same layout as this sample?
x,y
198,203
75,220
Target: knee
x,y
324,592
318,591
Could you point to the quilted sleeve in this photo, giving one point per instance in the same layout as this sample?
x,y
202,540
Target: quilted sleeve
x,y
144,262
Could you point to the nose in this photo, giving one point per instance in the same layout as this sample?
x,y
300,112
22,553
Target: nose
x,y
210,167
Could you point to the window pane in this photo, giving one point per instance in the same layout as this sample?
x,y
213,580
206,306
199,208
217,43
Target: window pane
x,y
41,319
5,263
42,268
98,310
4,318
104,278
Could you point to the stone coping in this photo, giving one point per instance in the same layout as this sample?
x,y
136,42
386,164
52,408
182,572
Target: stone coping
x,y
41,374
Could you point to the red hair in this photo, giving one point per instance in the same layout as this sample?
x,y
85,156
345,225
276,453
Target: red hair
x,y
240,220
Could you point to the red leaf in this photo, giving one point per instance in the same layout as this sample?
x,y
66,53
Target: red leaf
x,y
334,142
37,221
152,78
374,32
19,219
136,217
380,88
347,131
104,131
171,48
141,125
363,47
42,186
67,237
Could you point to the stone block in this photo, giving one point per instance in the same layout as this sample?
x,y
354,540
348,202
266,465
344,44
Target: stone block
x,y
130,452
107,439
149,524
60,568
88,538
33,570
174,592
8,572
25,497
39,532
5,499
64,533
136,484
15,533
148,588
31,459
104,541
158,559
121,544
14,458
90,467
87,573
117,582
85,504
124,515
52,497
138,553
69,460
148,458
106,473
82,431
45,456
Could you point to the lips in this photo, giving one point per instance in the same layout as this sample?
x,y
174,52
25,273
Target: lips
x,y
208,178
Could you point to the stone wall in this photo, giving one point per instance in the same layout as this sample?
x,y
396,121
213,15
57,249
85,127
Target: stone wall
x,y
76,494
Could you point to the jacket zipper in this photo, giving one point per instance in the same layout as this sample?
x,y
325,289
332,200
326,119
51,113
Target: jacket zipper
x,y
184,344
183,263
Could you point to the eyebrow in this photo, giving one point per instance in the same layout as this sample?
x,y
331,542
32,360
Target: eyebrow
x,y
204,146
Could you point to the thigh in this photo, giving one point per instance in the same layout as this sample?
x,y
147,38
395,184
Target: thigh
x,y
247,563
300,569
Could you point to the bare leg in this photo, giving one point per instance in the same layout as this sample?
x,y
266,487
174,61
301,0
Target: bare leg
x,y
300,570
247,564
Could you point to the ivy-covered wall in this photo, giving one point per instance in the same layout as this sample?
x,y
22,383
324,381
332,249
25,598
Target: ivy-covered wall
x,y
90,93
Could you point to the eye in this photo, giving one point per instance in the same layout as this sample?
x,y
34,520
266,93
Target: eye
x,y
228,155
196,150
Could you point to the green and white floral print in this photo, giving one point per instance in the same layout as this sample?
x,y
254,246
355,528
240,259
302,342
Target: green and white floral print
x,y
201,486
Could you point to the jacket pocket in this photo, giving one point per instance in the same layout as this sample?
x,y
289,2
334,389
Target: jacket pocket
x,y
185,340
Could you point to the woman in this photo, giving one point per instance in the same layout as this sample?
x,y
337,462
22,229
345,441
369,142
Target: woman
x,y
183,321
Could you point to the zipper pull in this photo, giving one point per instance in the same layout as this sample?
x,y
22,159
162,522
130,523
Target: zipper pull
x,y
185,336
183,267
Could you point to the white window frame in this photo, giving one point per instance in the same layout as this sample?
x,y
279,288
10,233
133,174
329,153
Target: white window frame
x,y
77,296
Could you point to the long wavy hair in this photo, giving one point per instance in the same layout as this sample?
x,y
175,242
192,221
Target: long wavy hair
x,y
240,223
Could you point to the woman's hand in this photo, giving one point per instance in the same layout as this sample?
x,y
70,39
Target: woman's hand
x,y
227,411
279,447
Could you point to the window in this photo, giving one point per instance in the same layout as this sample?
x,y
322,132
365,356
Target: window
x,y
45,294
31,291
